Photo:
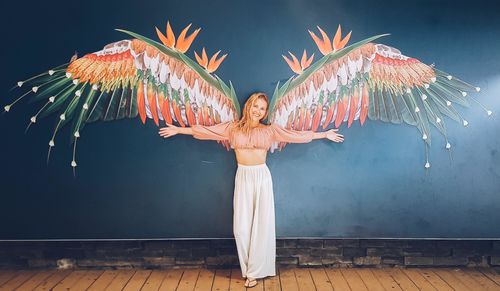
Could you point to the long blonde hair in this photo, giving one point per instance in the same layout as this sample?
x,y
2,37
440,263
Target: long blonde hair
x,y
243,124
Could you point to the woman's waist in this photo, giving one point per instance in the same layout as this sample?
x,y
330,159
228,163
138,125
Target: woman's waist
x,y
251,157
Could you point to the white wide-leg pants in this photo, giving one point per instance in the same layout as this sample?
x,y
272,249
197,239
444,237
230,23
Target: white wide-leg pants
x,y
253,223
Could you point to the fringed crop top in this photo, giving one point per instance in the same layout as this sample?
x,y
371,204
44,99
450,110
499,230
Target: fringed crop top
x,y
258,138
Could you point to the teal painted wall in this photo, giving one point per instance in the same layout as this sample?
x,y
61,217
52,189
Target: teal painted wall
x,y
132,184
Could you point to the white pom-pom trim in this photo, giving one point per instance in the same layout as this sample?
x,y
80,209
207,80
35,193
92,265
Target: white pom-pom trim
x,y
78,93
426,86
51,143
448,103
85,106
75,81
438,120
449,77
52,99
427,165
62,117
34,89
424,137
77,134
417,110
408,90
464,93
433,79
448,146
7,108
20,83
478,89
33,119
489,112
424,97
73,163
95,87
466,122
68,75
51,72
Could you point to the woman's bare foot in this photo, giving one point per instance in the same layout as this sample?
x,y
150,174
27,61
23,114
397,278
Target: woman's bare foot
x,y
250,283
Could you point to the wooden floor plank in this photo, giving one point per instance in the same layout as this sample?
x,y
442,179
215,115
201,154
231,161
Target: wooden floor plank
x,y
17,280
222,280
385,279
288,280
450,279
320,279
272,283
403,281
490,273
86,280
353,279
155,280
482,279
304,279
371,282
418,279
475,280
6,275
205,280
70,280
36,280
121,279
188,280
137,281
103,281
52,280
434,279
337,279
237,281
171,280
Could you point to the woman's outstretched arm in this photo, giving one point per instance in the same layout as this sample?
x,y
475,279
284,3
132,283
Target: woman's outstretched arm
x,y
330,134
215,132
282,134
172,130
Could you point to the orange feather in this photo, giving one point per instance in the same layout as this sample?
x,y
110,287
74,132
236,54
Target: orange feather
x,y
353,107
329,115
364,106
141,104
340,113
153,105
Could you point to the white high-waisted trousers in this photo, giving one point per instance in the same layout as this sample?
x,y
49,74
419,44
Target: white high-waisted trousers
x,y
253,223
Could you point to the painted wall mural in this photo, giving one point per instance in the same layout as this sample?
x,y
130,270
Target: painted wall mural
x,y
145,78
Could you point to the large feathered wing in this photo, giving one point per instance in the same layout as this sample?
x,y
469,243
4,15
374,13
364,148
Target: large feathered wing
x,y
367,80
137,77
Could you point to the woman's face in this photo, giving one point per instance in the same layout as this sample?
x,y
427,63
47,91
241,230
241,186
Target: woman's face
x,y
258,109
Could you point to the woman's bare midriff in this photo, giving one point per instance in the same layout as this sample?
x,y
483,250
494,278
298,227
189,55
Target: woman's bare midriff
x,y
250,157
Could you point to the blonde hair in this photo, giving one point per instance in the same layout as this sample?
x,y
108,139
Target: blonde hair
x,y
243,124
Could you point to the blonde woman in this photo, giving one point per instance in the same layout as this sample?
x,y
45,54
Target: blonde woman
x,y
253,221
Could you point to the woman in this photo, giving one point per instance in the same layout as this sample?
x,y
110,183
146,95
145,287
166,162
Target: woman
x,y
253,222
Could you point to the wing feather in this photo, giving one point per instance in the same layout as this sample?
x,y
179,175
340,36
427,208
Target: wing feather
x,y
374,81
130,78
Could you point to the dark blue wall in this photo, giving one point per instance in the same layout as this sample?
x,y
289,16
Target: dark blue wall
x,y
132,184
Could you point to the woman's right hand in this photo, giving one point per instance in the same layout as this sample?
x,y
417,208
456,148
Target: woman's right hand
x,y
169,131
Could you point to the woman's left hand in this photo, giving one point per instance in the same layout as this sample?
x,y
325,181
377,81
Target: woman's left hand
x,y
334,136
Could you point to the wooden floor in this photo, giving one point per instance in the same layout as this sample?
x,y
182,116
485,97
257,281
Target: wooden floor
x,y
287,280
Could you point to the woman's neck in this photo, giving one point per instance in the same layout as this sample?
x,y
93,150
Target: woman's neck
x,y
254,124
